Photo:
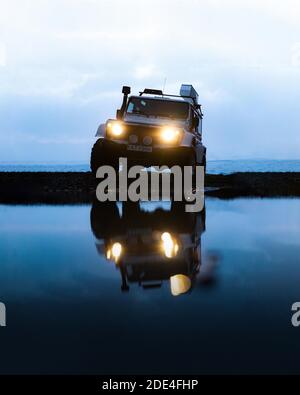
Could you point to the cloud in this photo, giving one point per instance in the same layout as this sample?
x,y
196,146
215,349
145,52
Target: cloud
x,y
64,63
145,71
2,54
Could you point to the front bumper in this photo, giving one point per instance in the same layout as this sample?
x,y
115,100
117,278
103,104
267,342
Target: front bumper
x,y
168,156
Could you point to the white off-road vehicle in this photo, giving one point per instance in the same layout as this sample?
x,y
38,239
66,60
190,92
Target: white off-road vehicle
x,y
152,129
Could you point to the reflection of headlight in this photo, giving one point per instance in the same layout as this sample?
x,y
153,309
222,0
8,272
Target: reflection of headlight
x,y
169,134
114,252
169,246
115,128
180,284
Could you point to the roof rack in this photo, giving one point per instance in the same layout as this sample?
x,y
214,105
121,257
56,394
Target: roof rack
x,y
160,93
186,92
152,92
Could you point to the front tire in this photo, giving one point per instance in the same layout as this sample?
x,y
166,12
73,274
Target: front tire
x,y
97,156
190,161
100,158
204,164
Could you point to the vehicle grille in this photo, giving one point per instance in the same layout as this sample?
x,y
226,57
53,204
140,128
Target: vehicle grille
x,y
142,131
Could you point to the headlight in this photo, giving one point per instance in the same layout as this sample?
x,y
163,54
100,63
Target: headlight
x,y
114,252
170,134
169,245
115,129
180,284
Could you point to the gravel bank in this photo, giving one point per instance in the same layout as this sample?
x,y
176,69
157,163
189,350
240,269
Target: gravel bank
x,y
74,188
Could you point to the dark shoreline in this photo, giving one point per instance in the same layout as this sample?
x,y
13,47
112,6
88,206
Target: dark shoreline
x,y
79,187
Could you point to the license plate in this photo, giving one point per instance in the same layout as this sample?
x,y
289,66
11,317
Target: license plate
x,y
140,148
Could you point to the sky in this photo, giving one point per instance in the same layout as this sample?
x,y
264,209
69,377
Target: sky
x,y
63,64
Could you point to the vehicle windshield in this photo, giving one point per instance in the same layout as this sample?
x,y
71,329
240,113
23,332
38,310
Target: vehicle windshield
x,y
158,108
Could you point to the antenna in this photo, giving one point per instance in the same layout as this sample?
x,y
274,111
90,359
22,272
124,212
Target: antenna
x,y
165,80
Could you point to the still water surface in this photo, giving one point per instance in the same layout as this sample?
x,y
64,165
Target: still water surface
x,y
213,166
150,288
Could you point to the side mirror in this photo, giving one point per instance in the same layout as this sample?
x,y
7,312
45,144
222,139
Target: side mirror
x,y
119,114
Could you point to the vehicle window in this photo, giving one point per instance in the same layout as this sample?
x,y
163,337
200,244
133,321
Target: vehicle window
x,y
159,108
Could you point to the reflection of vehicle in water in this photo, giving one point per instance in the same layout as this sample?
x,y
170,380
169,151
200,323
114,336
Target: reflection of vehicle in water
x,y
150,246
